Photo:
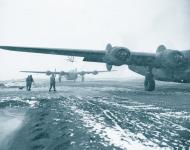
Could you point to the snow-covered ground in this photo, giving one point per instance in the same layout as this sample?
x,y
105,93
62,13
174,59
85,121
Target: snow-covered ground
x,y
96,115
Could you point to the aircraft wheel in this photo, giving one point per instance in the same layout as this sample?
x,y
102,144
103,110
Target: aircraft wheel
x,y
149,83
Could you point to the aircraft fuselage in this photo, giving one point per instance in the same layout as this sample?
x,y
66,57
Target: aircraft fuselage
x,y
180,75
71,76
170,68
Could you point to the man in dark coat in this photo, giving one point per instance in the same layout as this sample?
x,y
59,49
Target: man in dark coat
x,y
30,82
52,82
27,83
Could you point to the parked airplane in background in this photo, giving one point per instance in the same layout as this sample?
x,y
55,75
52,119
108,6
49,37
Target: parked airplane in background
x,y
164,65
71,75
7,85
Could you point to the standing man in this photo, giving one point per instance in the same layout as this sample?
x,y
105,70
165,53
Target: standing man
x,y
52,82
30,82
27,83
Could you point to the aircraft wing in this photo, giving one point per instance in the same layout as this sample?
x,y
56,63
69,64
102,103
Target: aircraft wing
x,y
111,56
43,72
94,55
92,72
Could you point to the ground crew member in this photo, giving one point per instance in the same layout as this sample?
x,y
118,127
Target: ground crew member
x,y
27,83
30,82
52,82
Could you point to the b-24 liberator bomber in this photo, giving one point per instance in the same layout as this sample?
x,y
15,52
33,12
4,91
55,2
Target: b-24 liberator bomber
x,y
164,65
69,75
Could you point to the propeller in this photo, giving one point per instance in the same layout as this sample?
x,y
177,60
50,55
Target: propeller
x,y
109,67
55,72
108,49
161,48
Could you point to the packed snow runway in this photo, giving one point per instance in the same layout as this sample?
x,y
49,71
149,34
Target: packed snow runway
x,y
101,115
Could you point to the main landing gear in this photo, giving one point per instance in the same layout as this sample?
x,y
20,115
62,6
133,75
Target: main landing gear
x,y
82,78
149,82
59,79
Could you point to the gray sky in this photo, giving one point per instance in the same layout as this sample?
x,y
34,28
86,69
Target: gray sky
x,y
140,25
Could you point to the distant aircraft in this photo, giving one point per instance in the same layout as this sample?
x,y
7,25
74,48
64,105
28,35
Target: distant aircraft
x,y
70,59
164,65
71,75
2,85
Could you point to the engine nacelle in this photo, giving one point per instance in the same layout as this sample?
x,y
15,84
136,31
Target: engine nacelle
x,y
48,73
82,73
95,72
116,56
62,73
169,58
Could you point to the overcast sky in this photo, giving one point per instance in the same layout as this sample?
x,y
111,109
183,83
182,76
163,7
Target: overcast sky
x,y
140,25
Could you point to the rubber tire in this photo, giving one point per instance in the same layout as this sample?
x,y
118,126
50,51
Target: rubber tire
x,y
149,84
